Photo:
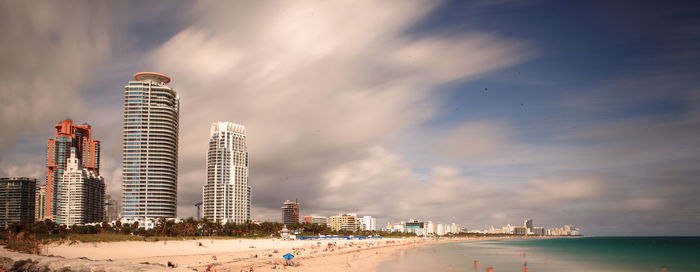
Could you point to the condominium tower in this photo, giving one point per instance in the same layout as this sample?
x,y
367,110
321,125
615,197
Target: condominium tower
x,y
81,195
149,162
16,200
226,194
68,136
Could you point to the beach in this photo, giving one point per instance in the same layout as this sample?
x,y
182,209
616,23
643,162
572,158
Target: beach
x,y
328,255
244,254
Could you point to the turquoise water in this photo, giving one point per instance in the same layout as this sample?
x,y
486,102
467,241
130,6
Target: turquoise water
x,y
618,254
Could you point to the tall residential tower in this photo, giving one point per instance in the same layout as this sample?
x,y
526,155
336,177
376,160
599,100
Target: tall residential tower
x,y
226,195
290,212
69,137
151,116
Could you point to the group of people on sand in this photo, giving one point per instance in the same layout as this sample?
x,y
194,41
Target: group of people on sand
x,y
282,265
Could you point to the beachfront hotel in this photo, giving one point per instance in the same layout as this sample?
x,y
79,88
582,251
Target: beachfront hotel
x,y
81,194
346,221
149,162
226,194
68,137
16,200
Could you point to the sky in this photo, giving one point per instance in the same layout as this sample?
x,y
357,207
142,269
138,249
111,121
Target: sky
x,y
475,112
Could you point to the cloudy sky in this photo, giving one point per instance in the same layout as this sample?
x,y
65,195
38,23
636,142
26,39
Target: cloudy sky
x,y
476,112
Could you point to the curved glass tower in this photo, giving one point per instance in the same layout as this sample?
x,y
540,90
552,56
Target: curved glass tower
x,y
149,173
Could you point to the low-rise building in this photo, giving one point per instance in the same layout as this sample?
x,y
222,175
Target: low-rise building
x,y
347,222
321,220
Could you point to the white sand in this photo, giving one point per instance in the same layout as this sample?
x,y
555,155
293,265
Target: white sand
x,y
141,250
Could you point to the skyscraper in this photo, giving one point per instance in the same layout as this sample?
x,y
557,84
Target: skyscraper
x,y
226,195
68,137
81,195
149,165
16,200
290,212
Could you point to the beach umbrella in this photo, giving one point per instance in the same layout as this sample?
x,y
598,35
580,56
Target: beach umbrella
x,y
288,256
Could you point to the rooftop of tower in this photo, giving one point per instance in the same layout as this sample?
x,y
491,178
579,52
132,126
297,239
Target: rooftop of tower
x,y
157,77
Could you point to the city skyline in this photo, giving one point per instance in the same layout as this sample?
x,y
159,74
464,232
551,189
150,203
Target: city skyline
x,y
465,112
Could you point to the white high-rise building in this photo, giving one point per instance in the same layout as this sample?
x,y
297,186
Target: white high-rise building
x,y
440,229
429,228
226,195
149,166
81,195
368,223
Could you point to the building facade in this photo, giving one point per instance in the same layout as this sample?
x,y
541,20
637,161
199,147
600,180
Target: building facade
x,y
112,208
68,136
81,195
320,220
226,195
290,212
40,203
528,225
347,222
368,223
17,196
149,159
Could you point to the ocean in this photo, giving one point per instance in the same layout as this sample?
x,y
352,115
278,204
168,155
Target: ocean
x,y
614,254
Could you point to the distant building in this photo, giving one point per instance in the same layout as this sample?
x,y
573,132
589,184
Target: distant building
x,y
413,226
347,222
307,220
290,212
321,220
226,194
368,223
150,147
539,231
528,225
81,194
454,228
40,204
68,138
198,212
112,208
429,228
399,227
520,230
440,230
17,196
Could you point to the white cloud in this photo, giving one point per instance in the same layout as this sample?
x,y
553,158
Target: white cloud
x,y
317,85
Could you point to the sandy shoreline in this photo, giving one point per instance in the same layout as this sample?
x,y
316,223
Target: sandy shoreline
x,y
239,254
